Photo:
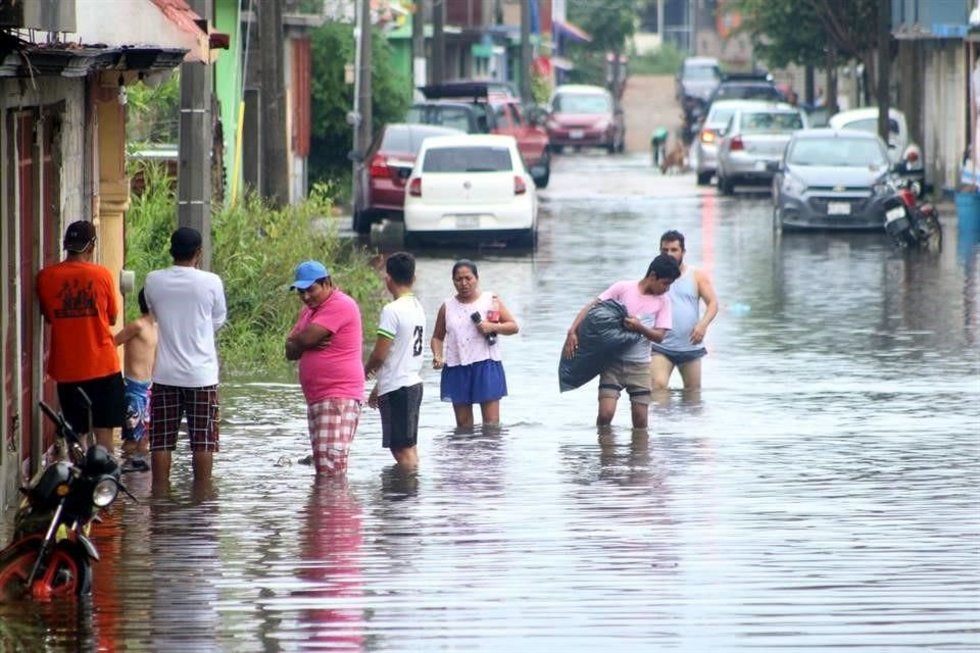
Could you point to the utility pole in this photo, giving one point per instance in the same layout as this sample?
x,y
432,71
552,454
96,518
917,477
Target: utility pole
x,y
526,51
884,66
195,142
364,76
418,44
436,68
274,162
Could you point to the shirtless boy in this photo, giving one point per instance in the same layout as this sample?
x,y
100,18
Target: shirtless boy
x,y
139,342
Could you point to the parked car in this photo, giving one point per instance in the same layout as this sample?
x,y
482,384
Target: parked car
x,y
492,109
704,149
901,149
747,86
696,81
469,117
832,179
585,116
756,135
472,189
379,178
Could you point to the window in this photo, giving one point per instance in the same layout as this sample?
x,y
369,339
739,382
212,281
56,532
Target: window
x,y
467,159
768,121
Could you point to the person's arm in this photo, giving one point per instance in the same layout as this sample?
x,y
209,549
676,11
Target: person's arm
x,y
312,336
438,339
219,310
656,334
571,338
706,291
128,332
382,346
506,325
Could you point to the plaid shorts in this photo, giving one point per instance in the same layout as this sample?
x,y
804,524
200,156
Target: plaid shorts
x,y
333,422
170,404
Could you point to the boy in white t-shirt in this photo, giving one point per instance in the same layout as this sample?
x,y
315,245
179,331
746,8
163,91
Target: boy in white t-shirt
x,y
397,360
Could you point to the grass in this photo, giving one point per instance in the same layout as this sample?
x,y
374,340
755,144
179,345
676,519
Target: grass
x,y
254,250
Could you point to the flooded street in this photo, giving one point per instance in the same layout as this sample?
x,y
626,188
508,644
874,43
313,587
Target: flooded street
x,y
822,493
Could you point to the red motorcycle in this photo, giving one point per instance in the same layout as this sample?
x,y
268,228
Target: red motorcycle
x,y
51,554
909,223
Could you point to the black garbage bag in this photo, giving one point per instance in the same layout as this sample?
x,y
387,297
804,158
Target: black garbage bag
x,y
601,338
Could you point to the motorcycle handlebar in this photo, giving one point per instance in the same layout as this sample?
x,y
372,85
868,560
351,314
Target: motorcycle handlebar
x,y
61,424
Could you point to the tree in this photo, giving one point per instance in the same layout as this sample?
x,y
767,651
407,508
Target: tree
x,y
610,23
332,98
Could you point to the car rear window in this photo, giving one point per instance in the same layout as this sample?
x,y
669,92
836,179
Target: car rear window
x,y
748,92
581,103
456,117
836,152
467,159
701,73
720,117
768,121
870,125
397,140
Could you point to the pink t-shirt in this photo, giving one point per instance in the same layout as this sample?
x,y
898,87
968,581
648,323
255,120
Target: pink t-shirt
x,y
652,310
335,372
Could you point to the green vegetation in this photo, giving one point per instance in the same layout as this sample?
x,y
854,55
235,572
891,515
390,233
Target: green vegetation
x,y
664,61
152,111
254,251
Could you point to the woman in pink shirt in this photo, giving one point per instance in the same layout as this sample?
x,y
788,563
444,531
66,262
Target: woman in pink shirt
x,y
464,347
326,341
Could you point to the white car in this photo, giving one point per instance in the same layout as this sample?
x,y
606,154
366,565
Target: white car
x,y
704,149
471,188
901,149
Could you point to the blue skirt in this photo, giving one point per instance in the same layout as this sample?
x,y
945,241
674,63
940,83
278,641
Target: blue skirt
x,y
473,384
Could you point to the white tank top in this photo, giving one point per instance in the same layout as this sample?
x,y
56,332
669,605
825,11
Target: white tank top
x,y
464,344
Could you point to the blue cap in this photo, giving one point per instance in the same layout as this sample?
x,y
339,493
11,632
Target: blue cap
x,y
308,273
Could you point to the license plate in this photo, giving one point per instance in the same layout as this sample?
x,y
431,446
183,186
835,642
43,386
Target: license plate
x,y
894,214
467,221
838,208
576,133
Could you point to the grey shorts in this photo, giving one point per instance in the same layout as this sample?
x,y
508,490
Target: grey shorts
x,y
629,376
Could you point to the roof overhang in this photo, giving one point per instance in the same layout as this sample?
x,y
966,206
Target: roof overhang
x,y
40,60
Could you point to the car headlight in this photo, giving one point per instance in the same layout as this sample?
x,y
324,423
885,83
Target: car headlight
x,y
105,491
602,125
793,185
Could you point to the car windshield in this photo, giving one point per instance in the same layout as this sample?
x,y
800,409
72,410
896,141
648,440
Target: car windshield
x,y
467,159
581,103
770,121
870,125
456,117
836,152
702,73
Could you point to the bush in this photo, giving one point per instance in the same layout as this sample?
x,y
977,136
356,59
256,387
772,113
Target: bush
x,y
666,60
254,250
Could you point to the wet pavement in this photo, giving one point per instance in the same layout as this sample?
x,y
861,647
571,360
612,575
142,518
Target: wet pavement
x,y
822,492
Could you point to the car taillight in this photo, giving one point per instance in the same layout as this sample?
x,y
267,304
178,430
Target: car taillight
x,y
415,187
912,156
379,167
519,186
737,144
707,136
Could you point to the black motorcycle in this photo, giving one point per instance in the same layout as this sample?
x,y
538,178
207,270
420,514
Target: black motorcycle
x,y
51,554
909,223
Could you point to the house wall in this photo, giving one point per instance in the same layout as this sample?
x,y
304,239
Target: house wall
x,y
944,111
48,96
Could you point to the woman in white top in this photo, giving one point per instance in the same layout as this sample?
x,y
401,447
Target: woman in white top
x,y
464,347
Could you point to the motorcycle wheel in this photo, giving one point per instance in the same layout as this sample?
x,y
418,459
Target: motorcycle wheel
x,y
67,572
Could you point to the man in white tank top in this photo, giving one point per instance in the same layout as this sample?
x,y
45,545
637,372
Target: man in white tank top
x,y
683,346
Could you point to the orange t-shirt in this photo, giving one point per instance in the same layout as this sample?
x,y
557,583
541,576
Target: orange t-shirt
x,y
78,299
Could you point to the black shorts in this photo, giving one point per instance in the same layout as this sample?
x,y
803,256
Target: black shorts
x,y
108,396
400,416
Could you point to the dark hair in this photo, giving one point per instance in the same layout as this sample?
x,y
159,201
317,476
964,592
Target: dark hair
x,y
184,243
141,300
400,266
664,267
465,263
671,236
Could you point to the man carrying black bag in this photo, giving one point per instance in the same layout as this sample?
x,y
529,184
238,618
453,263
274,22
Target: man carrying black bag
x,y
624,362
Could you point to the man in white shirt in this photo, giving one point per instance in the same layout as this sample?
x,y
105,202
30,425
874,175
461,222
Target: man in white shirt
x,y
397,359
189,306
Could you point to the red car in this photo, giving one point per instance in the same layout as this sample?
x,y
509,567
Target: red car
x,y
507,117
380,177
585,116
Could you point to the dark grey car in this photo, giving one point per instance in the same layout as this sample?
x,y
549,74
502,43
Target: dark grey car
x,y
832,179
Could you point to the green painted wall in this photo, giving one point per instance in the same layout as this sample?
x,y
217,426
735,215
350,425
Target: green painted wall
x,y
228,82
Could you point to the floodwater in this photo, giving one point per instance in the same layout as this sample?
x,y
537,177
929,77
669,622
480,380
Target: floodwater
x,y
822,492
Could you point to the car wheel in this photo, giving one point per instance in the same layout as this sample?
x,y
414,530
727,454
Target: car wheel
x,y
541,181
724,185
611,148
704,178
557,149
361,222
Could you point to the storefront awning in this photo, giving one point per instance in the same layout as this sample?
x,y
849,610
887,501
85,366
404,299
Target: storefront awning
x,y
570,31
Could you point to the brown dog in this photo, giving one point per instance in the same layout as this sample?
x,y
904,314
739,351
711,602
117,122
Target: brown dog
x,y
675,161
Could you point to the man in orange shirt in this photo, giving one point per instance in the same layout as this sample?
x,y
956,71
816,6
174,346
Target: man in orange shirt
x,y
78,300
